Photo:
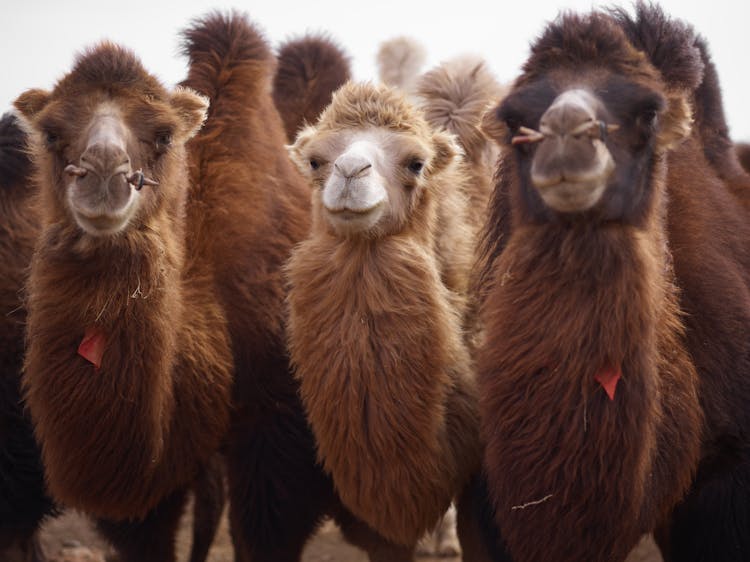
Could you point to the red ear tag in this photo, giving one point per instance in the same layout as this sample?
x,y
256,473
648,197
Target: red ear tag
x,y
92,346
608,378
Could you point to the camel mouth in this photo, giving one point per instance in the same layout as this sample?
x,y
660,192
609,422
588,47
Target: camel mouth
x,y
571,175
101,219
351,212
348,220
572,196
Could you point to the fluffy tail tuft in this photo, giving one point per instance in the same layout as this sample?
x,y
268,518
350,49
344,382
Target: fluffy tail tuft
x,y
309,70
400,61
455,96
225,51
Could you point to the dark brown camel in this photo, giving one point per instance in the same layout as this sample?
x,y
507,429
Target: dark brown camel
x,y
604,403
309,70
23,499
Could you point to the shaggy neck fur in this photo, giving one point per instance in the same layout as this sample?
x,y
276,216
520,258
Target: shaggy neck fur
x,y
384,375
112,440
567,301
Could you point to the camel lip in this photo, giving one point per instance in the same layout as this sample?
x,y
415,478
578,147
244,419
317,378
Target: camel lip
x,y
104,222
349,212
566,196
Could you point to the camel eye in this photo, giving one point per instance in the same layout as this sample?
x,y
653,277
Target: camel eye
x,y
415,166
163,141
314,164
52,138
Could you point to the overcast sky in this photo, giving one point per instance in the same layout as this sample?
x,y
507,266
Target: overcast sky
x,y
39,38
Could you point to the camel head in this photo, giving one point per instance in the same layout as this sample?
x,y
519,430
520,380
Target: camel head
x,y
109,141
586,124
371,157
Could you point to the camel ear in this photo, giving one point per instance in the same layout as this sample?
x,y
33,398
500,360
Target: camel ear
x,y
296,150
493,127
31,102
192,108
446,150
676,121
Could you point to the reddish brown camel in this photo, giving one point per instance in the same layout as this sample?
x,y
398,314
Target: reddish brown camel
x,y
279,493
743,154
128,366
309,70
604,403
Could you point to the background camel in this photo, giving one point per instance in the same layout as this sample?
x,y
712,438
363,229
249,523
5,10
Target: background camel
x,y
309,70
581,289
23,500
375,325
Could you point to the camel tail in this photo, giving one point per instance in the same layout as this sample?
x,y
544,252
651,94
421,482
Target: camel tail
x,y
15,164
400,61
309,70
229,60
455,96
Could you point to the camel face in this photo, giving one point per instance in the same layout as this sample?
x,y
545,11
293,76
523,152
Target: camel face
x,y
370,179
585,136
370,175
100,194
108,139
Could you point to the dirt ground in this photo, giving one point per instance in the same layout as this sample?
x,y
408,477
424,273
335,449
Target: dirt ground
x,y
70,538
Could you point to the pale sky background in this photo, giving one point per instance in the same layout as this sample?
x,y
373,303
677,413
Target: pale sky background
x,y
39,38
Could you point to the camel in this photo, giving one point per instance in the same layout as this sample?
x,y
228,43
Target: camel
x,y
309,70
612,377
127,375
593,398
279,494
24,502
376,311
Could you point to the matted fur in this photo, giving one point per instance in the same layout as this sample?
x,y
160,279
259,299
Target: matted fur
x,y
573,475
376,338
119,439
309,70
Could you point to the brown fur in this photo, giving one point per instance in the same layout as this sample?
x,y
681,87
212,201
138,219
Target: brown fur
x,y
23,498
743,154
309,70
377,342
119,439
573,475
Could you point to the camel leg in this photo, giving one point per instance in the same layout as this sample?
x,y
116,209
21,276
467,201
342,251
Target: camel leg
x,y
477,531
151,539
278,492
378,548
210,499
712,523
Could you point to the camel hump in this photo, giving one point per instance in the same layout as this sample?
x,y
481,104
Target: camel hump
x,y
309,70
455,96
400,61
226,51
671,45
15,163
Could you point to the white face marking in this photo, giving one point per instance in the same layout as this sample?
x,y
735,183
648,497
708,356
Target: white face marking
x,y
355,185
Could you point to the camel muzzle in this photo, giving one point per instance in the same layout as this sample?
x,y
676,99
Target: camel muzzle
x,y
572,164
